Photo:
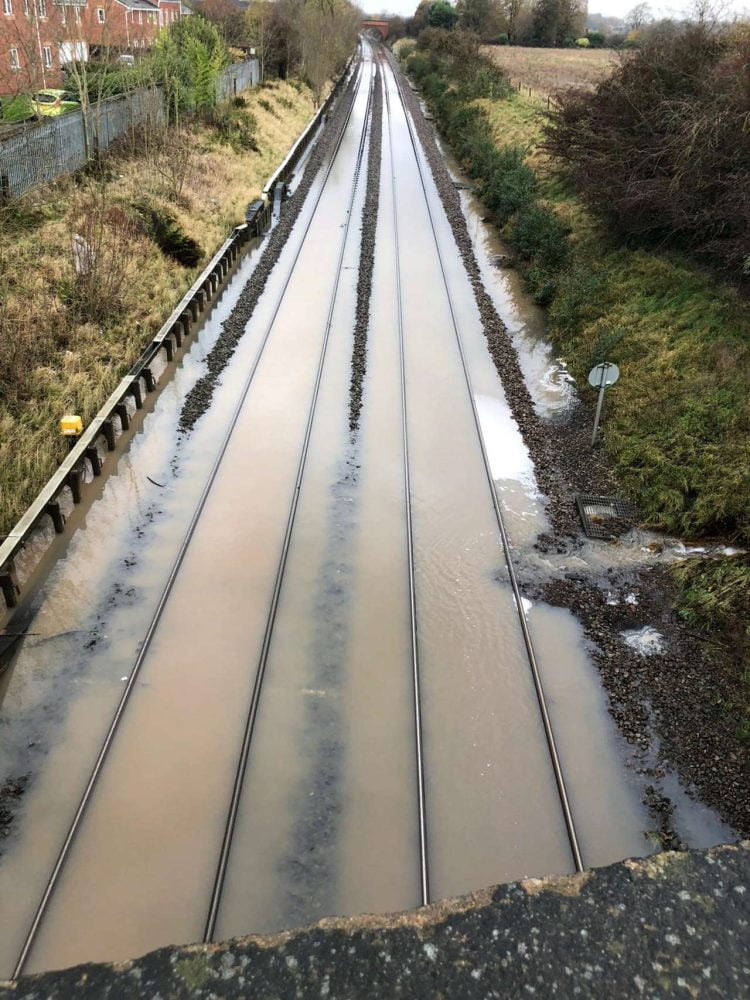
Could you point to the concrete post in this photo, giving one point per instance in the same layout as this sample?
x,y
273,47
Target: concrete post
x,y
108,429
92,454
9,584
122,412
74,484
58,518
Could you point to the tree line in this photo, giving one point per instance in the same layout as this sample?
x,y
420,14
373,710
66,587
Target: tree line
x,y
556,23
311,39
518,22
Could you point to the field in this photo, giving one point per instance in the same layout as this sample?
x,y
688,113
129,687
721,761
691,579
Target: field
x,y
545,71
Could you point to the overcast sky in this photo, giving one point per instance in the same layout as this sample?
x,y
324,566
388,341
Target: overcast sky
x,y
616,8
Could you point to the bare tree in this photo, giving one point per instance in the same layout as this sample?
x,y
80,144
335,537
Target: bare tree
x,y
263,31
328,33
708,13
638,16
510,10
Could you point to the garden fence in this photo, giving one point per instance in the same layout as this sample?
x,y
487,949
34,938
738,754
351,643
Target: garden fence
x,y
38,153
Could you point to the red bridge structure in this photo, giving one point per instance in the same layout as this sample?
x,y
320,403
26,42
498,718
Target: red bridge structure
x,y
379,26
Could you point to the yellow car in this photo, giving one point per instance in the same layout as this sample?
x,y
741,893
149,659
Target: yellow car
x,y
53,102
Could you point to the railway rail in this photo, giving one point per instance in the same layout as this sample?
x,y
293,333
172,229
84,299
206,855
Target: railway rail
x,y
154,624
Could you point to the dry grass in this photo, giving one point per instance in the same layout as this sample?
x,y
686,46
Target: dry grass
x,y
51,361
546,71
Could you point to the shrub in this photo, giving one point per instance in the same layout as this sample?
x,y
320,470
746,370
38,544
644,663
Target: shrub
x,y
484,80
580,292
405,51
539,235
660,149
442,14
596,39
540,240
188,56
104,256
418,65
172,157
509,185
434,86
582,43
235,127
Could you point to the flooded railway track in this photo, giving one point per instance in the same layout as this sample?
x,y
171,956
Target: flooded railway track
x,y
365,84
565,806
352,716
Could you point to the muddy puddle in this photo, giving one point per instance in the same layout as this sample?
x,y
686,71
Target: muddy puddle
x,y
550,385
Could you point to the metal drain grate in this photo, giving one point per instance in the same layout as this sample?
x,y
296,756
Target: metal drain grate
x,y
605,517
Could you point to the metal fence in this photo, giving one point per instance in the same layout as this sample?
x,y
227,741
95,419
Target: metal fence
x,y
238,77
39,153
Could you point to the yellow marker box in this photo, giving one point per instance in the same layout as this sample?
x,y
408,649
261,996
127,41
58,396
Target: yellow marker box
x,y
71,426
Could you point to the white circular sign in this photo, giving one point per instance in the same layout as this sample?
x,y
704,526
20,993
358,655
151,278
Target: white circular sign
x,y
605,374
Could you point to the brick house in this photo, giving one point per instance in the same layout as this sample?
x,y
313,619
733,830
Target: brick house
x,y
38,37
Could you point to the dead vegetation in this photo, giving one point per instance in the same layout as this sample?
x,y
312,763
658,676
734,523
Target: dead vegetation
x,y
68,333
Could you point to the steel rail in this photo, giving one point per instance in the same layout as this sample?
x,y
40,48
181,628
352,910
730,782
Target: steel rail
x,y
531,655
421,804
260,670
151,630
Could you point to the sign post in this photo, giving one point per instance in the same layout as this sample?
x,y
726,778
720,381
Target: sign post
x,y
601,377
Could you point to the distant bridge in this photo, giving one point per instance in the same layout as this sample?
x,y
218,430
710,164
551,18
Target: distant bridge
x,y
379,26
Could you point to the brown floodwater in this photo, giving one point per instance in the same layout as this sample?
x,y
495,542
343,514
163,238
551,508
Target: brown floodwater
x,y
327,822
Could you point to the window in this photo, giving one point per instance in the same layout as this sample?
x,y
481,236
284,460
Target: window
x,y
77,14
14,60
8,9
26,8
101,16
47,53
140,17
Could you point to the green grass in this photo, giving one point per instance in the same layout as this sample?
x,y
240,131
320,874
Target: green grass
x,y
15,109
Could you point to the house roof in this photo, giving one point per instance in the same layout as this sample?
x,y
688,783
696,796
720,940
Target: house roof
x,y
140,5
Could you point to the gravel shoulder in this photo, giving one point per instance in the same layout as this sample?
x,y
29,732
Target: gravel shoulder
x,y
366,256
675,709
